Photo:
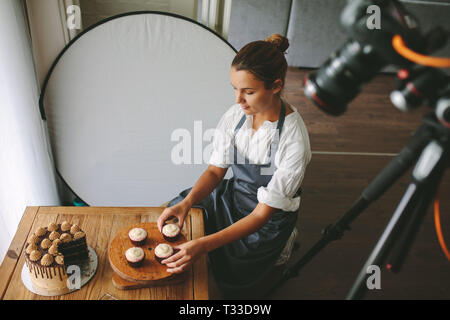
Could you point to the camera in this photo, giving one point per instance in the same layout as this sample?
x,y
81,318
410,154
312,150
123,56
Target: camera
x,y
368,51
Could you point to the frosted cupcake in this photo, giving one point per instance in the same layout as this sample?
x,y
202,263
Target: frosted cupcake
x,y
135,256
163,251
171,232
137,236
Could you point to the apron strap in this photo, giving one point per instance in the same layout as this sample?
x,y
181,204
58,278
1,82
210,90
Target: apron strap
x,y
276,139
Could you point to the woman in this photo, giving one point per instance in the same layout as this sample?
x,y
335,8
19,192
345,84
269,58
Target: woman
x,y
248,218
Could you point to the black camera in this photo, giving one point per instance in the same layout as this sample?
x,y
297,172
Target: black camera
x,y
369,50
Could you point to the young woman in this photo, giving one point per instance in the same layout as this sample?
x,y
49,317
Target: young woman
x,y
248,218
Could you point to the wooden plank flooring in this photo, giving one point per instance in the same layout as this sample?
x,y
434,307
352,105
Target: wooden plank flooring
x,y
334,181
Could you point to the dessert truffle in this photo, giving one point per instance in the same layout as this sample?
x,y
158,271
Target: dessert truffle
x,y
46,243
54,235
171,232
137,236
163,251
31,247
41,232
53,250
65,237
135,256
47,260
65,226
56,242
35,255
74,229
34,239
52,227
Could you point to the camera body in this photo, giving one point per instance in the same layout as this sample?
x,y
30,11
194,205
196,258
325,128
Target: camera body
x,y
367,51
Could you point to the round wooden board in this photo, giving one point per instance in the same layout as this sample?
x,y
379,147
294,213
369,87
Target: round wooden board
x,y
151,270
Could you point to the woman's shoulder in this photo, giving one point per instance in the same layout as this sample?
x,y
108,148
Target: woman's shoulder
x,y
294,121
294,131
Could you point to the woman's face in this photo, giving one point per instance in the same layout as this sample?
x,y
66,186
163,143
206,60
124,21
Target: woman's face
x,y
250,92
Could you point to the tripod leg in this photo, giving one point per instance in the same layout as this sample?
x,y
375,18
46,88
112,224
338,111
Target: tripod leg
x,y
403,245
396,168
380,251
431,165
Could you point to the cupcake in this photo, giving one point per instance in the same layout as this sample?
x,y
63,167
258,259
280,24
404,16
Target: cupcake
x,y
163,251
137,236
135,256
171,232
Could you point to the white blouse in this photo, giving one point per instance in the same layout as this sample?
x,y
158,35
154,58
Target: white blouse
x,y
291,158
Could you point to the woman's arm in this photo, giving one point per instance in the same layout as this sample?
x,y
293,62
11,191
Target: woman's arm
x,y
190,251
207,182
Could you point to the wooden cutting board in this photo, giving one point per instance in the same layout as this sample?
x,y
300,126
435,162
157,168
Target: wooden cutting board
x,y
151,273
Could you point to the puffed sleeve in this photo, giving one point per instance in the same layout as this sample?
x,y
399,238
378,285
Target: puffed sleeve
x,y
291,160
221,145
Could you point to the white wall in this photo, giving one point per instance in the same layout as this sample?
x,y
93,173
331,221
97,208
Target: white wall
x,y
26,169
49,32
96,10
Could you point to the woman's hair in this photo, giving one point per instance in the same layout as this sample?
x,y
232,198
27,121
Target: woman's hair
x,y
264,59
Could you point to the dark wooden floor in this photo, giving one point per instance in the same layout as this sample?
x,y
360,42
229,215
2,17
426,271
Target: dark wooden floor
x,y
374,130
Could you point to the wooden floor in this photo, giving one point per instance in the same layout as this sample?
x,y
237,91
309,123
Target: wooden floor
x,y
348,152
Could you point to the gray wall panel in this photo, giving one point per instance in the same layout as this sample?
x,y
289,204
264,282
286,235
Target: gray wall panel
x,y
314,31
256,20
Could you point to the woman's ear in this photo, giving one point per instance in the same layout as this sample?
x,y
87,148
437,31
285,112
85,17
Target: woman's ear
x,y
277,86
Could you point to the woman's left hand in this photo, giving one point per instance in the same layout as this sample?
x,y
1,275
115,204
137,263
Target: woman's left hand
x,y
187,253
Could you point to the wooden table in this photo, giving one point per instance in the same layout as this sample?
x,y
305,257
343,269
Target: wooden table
x,y
101,224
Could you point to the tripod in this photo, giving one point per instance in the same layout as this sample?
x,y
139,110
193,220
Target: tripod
x,y
431,141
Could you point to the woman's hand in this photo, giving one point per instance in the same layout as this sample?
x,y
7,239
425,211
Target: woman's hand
x,y
178,211
187,253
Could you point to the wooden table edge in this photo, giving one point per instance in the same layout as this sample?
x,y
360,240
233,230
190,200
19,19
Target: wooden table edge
x,y
15,249
200,267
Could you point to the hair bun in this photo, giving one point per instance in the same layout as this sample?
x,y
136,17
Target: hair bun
x,y
282,43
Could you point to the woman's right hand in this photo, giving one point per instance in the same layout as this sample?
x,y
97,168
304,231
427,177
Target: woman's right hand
x,y
178,211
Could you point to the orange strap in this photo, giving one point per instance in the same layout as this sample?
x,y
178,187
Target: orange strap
x,y
401,48
437,223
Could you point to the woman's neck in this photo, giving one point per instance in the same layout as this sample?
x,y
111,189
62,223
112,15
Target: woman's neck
x,y
271,114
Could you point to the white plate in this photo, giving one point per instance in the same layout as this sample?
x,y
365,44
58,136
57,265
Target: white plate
x,y
87,272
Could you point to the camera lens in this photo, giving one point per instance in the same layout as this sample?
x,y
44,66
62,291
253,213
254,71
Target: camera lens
x,y
339,80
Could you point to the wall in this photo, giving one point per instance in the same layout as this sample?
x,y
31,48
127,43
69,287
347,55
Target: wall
x,y
312,26
96,10
26,167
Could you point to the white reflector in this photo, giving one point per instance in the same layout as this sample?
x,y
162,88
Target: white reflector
x,y
131,98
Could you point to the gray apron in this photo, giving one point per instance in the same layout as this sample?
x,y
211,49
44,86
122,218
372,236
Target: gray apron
x,y
242,266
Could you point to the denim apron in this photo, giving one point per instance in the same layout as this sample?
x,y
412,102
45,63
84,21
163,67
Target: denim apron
x,y
244,264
